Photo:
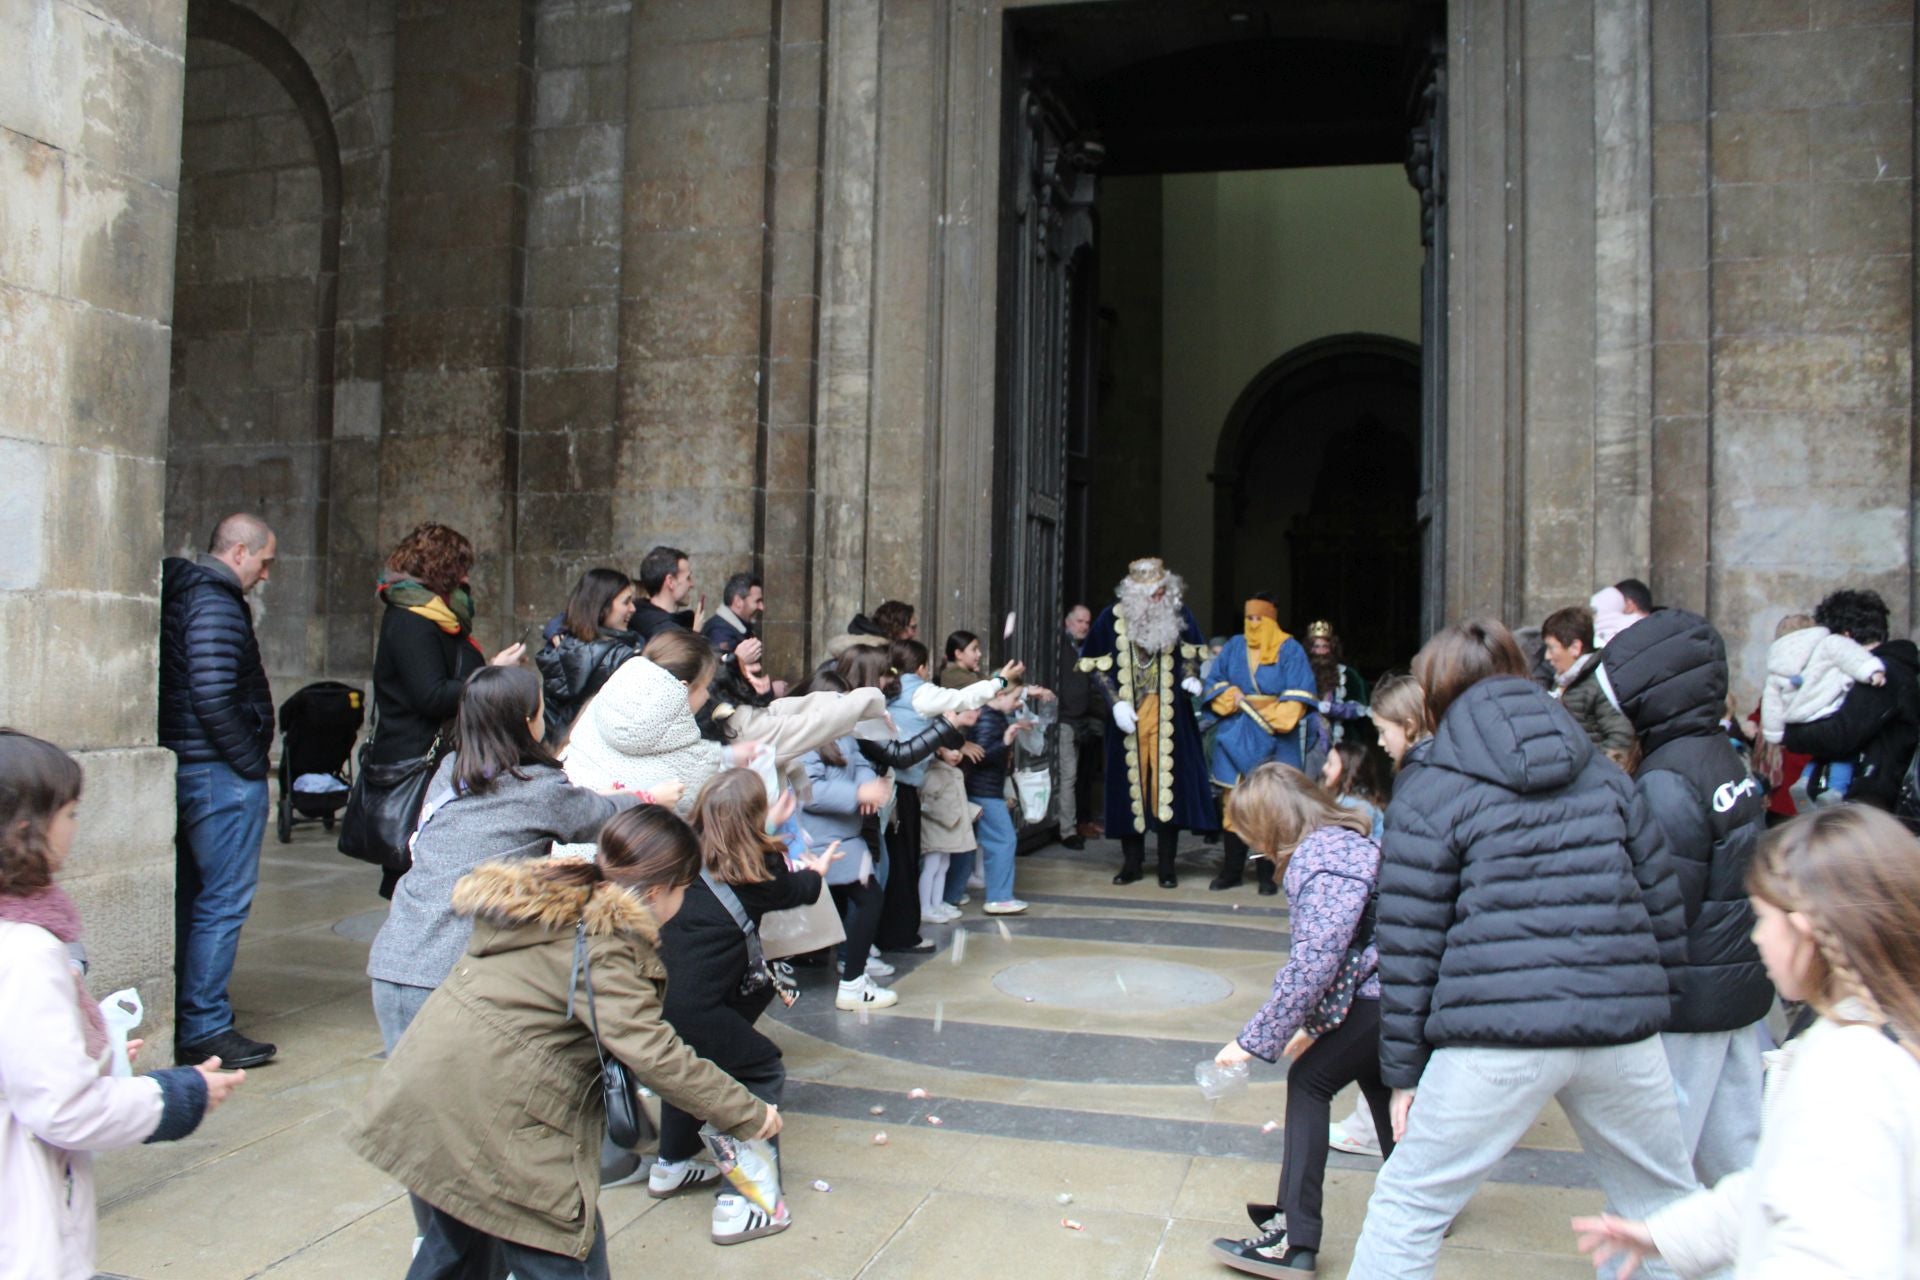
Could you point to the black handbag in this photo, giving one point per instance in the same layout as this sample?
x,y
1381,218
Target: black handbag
x,y
383,808
1331,1009
628,1124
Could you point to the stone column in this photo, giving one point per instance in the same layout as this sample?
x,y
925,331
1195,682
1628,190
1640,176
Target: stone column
x,y
455,276
90,101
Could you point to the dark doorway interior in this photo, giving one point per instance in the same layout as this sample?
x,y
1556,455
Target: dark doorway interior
x,y
1096,91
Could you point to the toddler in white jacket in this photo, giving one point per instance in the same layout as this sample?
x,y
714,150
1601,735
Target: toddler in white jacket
x,y
1834,1189
1809,672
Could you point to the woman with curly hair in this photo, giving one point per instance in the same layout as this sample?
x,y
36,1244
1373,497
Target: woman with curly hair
x,y
426,649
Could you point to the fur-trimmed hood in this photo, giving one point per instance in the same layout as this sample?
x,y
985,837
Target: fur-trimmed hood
x,y
513,894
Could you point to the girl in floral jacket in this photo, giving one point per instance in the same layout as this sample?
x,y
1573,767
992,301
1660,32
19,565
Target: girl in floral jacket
x,y
1330,870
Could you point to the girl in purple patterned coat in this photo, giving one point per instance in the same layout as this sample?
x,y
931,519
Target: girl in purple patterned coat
x,y
1330,870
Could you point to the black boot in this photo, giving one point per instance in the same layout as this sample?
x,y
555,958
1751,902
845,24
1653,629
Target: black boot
x,y
1133,852
1169,853
1233,864
1263,868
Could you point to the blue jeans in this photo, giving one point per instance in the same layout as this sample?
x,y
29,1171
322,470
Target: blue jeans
x,y
217,864
959,871
998,844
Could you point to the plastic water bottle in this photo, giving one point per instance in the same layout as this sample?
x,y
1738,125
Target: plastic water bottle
x,y
123,1012
1218,1081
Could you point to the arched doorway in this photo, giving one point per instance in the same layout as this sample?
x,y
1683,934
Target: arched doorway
x,y
1316,490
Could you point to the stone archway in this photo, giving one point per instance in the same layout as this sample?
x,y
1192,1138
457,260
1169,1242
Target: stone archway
x,y
1316,485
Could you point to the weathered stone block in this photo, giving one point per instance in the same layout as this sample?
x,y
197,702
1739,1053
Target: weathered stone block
x,y
1761,221
699,263
560,98
1751,17
722,199
574,276
1760,146
1680,240
596,337
655,393
1760,295
1859,218
710,324
1680,379
283,360
698,139
356,410
41,96
468,160
1866,142
32,176
1757,453
561,401
1872,293
117,396
117,244
85,695
1862,13
1813,69
790,392
275,305
267,252
445,404
478,218
427,280
682,21
485,97
580,37
580,154
577,461
713,71
548,343
481,34
561,522
456,338
130,105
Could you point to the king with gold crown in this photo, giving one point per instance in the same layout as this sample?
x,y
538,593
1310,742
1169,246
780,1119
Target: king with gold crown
x,y
1144,653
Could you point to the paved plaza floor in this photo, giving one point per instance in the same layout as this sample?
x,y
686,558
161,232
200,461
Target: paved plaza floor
x,y
1056,1051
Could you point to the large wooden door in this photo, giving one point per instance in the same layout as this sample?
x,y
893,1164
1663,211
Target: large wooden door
x,y
1046,316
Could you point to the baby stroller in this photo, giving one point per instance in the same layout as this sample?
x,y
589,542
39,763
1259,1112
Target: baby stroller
x,y
318,725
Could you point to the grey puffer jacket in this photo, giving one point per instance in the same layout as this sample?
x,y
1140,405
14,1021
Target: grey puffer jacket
x,y
1525,896
1669,673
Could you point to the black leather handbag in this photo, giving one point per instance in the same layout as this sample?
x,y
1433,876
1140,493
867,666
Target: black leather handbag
x,y
383,808
627,1122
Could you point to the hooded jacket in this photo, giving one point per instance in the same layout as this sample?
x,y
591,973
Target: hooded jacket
x,y
572,670
1587,703
1525,895
1876,727
491,1107
214,700
640,732
1668,673
1809,672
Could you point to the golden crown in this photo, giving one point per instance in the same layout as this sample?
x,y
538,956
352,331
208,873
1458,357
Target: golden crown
x,y
1321,630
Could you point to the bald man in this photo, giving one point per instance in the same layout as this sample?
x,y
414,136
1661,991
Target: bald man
x,y
216,715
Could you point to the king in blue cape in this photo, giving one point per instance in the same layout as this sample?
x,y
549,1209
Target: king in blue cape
x,y
1144,654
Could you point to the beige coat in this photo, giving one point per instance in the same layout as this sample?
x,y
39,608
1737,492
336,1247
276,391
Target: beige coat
x,y
491,1108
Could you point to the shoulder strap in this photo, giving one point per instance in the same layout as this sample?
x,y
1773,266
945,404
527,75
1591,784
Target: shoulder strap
x,y
731,901
583,971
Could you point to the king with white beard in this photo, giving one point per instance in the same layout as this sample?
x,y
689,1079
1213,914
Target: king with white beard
x,y
1144,653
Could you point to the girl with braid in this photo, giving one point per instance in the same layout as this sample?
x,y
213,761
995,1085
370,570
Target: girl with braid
x,y
1834,1189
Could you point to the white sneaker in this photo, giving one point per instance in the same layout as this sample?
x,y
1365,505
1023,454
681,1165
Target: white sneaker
x,y
878,968
948,914
976,881
1011,907
736,1218
965,898
1353,1144
927,919
863,993
668,1178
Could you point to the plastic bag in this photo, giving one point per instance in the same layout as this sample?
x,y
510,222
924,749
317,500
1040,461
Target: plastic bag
x,y
750,1164
1035,788
1217,1081
123,1012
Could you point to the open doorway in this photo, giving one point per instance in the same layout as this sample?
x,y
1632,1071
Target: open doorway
x,y
1199,198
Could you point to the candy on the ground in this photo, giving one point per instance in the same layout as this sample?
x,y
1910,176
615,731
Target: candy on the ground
x,y
1071,1225
916,1094
934,1120
880,1139
821,1184
1064,1198
876,1111
1028,999
1269,1126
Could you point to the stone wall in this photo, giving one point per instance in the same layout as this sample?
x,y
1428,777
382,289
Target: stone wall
x,y
243,431
90,102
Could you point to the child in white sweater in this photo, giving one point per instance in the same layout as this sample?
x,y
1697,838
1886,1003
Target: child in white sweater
x,y
1809,671
1834,1190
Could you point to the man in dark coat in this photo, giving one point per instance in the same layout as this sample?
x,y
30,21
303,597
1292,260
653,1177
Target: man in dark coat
x,y
1877,726
1668,674
666,580
216,715
1079,733
1144,653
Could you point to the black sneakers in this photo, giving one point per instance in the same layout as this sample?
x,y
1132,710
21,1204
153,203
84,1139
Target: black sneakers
x,y
234,1050
1267,1254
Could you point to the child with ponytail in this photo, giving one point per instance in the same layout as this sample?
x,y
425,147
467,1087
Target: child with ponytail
x,y
1834,1189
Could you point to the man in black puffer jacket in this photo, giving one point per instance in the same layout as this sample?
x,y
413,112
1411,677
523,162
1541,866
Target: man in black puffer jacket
x,y
1668,674
1877,726
216,715
1529,927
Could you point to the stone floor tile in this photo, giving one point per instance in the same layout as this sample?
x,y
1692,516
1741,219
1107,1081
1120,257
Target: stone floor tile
x,y
1096,1177
955,1234
377,1244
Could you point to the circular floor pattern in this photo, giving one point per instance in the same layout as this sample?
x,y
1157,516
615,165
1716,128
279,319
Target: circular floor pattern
x,y
1098,982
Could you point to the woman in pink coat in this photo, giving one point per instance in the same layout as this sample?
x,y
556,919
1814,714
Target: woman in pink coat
x,y
58,1102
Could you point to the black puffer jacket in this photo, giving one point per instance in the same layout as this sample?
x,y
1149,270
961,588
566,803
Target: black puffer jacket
x,y
1525,896
904,753
572,671
214,701
419,672
1668,672
1876,728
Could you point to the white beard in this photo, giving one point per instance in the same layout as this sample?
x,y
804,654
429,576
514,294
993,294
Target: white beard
x,y
1152,625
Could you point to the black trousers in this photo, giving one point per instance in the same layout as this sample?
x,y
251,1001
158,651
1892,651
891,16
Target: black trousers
x,y
680,1132
1348,1054
900,908
1133,849
452,1250
860,907
1233,861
